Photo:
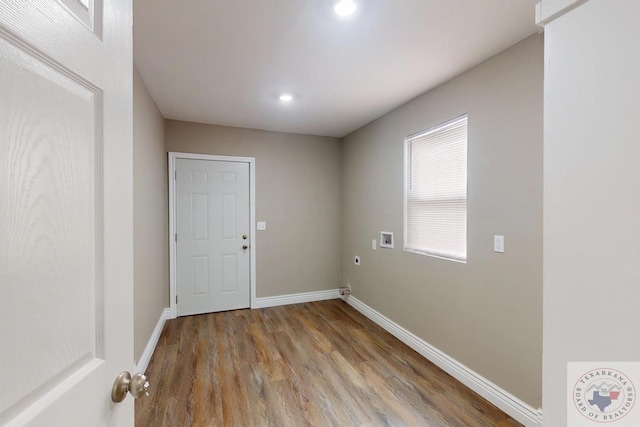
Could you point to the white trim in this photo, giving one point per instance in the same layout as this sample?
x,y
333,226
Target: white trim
x,y
547,12
504,400
173,156
296,298
143,362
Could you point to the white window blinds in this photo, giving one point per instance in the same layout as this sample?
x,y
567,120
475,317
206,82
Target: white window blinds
x,y
436,191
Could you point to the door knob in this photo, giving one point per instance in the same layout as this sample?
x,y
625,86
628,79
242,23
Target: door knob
x,y
245,247
137,385
244,237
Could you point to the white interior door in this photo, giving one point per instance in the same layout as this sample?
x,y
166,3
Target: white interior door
x,y
66,263
213,236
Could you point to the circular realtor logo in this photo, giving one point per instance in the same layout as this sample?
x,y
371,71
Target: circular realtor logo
x,y
604,395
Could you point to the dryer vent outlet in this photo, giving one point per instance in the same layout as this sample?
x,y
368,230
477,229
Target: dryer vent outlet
x,y
345,290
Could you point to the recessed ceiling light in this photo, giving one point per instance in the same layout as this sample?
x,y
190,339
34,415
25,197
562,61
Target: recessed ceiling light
x,y
286,97
345,7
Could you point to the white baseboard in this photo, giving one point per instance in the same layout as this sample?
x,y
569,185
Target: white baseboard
x,y
296,298
142,364
504,400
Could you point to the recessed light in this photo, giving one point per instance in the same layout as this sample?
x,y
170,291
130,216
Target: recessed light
x,y
345,7
286,97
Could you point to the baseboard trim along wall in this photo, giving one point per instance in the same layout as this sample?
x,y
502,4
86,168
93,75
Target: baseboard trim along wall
x,y
504,400
296,298
142,364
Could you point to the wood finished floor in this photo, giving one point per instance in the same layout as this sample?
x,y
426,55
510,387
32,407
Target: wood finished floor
x,y
314,364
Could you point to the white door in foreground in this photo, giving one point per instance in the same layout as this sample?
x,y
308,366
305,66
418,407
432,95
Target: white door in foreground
x,y
66,264
212,223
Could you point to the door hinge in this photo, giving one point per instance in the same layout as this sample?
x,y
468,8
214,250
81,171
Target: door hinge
x,y
175,174
175,237
176,298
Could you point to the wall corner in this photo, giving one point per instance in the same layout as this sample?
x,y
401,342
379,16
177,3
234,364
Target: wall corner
x,y
550,10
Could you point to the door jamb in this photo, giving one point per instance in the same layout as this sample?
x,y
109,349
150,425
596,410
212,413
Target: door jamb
x,y
173,156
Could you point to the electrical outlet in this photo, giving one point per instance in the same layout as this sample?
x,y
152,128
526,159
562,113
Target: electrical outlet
x,y
374,244
262,225
498,244
356,260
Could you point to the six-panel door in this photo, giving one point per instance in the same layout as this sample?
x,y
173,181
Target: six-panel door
x,y
213,241
66,263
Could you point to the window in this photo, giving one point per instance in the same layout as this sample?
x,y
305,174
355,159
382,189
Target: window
x,y
435,220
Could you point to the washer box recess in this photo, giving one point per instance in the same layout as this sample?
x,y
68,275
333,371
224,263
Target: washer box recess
x,y
386,239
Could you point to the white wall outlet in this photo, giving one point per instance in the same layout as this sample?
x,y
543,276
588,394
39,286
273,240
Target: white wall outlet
x,y
356,260
262,225
374,244
498,244
386,239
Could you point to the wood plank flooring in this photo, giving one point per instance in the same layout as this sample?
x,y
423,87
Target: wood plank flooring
x,y
314,364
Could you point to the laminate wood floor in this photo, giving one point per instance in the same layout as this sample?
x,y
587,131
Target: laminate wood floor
x,y
314,364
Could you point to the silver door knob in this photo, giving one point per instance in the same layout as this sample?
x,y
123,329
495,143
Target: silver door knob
x,y
244,237
245,247
137,385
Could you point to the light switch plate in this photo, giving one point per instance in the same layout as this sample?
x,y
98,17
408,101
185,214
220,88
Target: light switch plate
x,y
498,244
356,260
262,225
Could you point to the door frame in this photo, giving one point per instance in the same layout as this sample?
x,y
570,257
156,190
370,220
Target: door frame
x,y
173,156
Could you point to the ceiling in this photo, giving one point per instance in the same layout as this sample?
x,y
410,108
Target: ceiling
x,y
226,61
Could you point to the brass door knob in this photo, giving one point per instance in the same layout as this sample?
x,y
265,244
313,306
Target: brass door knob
x,y
137,385
244,237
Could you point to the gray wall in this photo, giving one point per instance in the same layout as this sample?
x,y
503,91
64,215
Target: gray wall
x,y
591,201
298,194
486,313
150,214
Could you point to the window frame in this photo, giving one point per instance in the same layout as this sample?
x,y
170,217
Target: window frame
x,y
407,140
